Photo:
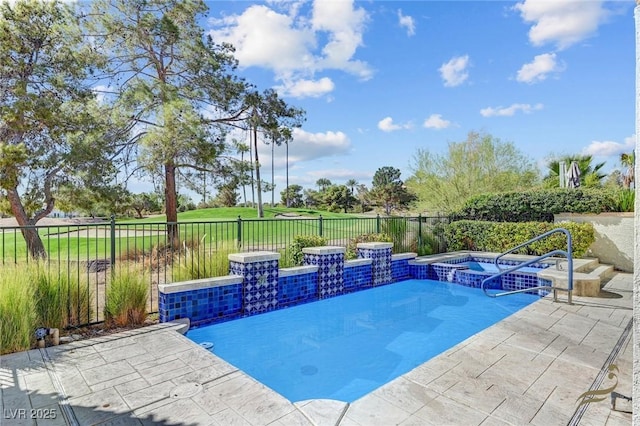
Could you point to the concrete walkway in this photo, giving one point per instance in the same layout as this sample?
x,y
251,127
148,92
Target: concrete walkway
x,y
530,368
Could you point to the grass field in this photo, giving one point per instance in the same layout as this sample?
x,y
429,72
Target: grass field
x,y
209,227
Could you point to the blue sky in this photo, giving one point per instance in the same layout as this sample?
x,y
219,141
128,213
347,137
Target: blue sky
x,y
381,79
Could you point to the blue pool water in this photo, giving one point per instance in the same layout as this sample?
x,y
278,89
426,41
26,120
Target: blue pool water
x,y
344,347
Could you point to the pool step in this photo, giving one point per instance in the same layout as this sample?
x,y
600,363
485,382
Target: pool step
x,y
584,283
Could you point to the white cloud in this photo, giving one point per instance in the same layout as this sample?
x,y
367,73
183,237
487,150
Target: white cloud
x,y
297,47
454,72
345,26
311,146
435,121
561,22
265,38
510,110
407,22
387,125
538,70
610,148
305,146
306,88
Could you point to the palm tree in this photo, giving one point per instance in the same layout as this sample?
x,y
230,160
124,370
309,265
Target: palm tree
x,y
323,184
628,160
242,148
590,175
351,183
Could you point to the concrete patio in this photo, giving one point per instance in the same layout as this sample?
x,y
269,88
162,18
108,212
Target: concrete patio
x,y
530,368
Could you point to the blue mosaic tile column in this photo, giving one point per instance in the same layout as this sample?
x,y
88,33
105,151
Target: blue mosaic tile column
x,y
259,271
330,262
380,254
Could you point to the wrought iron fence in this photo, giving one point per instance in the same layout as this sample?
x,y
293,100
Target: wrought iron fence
x,y
91,255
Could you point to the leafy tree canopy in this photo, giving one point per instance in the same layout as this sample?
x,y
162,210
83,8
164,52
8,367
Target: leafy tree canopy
x,y
388,191
480,164
53,132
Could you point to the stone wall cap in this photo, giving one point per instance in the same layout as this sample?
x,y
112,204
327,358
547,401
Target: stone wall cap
x,y
324,250
403,256
298,270
357,262
375,246
202,283
254,256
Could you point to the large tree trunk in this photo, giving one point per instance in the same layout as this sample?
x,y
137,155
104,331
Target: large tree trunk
x,y
171,203
29,232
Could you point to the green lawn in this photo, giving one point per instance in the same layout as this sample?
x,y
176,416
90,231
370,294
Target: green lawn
x,y
211,227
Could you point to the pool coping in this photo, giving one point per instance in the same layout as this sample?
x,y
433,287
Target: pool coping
x,y
130,376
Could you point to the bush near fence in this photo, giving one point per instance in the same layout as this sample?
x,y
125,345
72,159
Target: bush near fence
x,y
539,205
501,236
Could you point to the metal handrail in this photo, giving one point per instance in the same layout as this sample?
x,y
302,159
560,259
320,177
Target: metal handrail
x,y
567,254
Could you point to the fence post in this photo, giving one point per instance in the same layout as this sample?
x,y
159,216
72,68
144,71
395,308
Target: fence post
x,y
378,223
113,242
320,225
239,231
419,230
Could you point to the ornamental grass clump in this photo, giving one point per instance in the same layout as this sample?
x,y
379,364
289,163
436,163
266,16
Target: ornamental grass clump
x,y
63,297
203,261
127,294
18,317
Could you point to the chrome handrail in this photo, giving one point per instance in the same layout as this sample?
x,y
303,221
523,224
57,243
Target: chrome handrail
x,y
567,254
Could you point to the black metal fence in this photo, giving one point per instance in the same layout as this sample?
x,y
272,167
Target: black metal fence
x,y
91,255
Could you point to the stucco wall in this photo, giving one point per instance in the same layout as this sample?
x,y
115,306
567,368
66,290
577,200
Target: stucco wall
x,y
614,237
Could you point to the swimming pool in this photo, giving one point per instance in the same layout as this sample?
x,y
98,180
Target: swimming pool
x,y
344,347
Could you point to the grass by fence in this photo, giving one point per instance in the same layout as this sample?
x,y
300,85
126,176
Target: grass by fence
x,y
92,252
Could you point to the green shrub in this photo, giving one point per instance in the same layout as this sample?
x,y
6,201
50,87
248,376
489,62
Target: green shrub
x,y
126,298
296,257
18,318
502,236
539,205
428,244
352,247
626,199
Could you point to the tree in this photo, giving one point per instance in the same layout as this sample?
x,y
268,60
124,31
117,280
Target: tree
x,y
53,132
363,196
338,197
323,184
243,168
480,164
145,202
177,86
227,194
389,191
628,161
590,175
351,184
275,120
294,194
312,198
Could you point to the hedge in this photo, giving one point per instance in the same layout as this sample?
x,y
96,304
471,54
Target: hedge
x,y
296,256
502,236
539,205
